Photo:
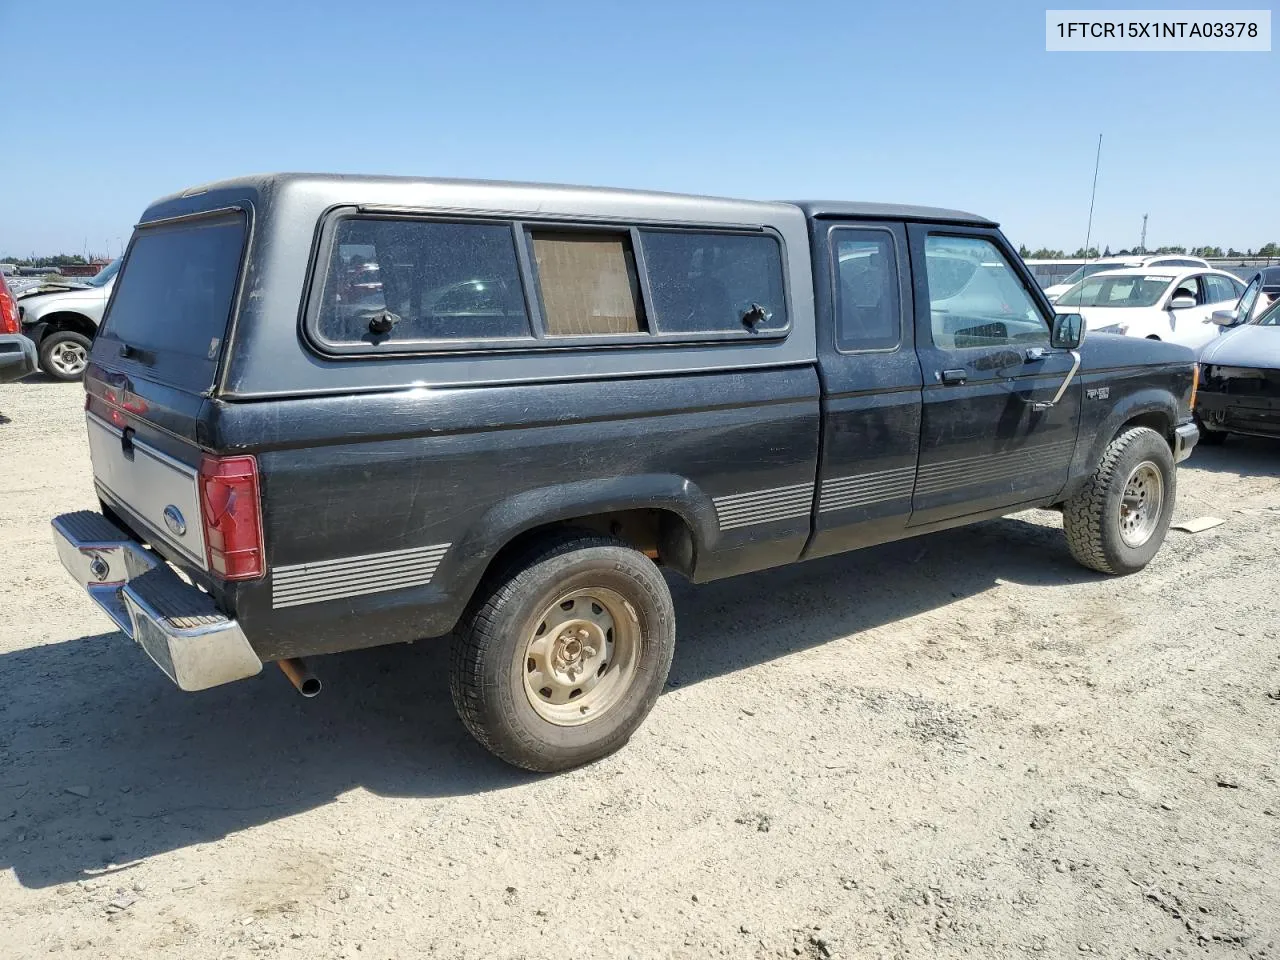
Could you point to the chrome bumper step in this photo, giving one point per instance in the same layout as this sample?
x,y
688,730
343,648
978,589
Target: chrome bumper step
x,y
176,623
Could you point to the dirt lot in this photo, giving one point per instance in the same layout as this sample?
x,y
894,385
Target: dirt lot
x,y
963,745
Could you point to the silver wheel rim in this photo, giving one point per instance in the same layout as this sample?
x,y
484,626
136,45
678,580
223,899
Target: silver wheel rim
x,y
581,655
69,358
1141,503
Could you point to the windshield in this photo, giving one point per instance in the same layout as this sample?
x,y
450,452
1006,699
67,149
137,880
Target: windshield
x,y
1132,290
1270,317
104,275
1088,270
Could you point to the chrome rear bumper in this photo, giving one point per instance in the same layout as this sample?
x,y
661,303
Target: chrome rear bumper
x,y
176,623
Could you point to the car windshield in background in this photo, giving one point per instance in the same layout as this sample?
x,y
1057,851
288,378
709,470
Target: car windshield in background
x,y
1088,270
1270,317
1138,290
103,276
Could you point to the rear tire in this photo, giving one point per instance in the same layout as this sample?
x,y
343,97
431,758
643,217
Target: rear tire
x,y
564,652
64,354
1118,520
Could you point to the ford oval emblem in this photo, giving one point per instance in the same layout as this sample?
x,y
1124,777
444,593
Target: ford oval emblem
x,y
174,521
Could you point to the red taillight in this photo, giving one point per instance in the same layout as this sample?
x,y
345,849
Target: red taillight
x,y
9,319
232,516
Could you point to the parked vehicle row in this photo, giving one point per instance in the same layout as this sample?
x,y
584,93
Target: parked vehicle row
x,y
1156,303
1054,291
61,318
501,408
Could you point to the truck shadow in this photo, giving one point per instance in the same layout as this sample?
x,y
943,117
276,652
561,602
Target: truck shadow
x,y
107,764
1242,456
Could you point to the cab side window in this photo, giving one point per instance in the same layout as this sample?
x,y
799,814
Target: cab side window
x,y
868,312
976,298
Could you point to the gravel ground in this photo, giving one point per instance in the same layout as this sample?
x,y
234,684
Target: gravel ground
x,y
961,745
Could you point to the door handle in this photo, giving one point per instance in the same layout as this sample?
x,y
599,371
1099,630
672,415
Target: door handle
x,y
954,377
1034,354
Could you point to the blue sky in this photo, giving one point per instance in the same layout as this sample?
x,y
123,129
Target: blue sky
x,y
945,103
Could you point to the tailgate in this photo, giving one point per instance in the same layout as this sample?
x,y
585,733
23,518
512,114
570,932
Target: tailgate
x,y
160,491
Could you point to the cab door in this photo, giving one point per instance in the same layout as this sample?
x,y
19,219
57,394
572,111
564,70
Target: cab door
x,y
997,429
870,384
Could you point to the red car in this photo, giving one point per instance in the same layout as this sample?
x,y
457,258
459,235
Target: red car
x,y
17,353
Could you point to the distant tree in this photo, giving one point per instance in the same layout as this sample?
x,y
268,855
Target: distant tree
x,y
1125,253
1181,250
1107,251
1269,250
1024,252
1083,254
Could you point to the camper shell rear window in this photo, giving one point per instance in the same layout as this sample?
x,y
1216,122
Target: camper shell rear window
x,y
173,299
400,283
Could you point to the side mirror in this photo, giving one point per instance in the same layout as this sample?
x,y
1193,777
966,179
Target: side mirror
x,y
1182,301
1068,331
1225,318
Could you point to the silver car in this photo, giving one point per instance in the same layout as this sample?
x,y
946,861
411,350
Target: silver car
x,y
1240,377
62,317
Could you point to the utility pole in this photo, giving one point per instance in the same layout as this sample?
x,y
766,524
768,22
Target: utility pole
x,y
1142,244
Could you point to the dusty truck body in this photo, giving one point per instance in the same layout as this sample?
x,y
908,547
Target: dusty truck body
x,y
334,412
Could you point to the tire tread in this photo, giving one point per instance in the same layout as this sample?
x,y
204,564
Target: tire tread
x,y
1084,514
478,632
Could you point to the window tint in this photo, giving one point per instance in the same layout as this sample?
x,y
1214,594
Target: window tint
x,y
588,283
708,282
1221,290
173,297
868,316
430,280
976,299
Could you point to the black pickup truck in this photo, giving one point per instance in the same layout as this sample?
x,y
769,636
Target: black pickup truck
x,y
330,412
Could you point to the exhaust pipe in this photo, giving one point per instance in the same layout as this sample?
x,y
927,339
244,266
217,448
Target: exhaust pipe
x,y
300,675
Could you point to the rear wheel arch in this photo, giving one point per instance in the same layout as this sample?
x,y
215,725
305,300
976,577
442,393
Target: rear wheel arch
x,y
663,516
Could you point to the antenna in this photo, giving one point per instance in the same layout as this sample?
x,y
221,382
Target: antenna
x,y
1097,160
1142,244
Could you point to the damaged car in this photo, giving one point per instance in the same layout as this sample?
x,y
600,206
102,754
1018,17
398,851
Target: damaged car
x,y
1240,379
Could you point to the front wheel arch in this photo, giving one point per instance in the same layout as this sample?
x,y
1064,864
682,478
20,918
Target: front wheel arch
x,y
67,320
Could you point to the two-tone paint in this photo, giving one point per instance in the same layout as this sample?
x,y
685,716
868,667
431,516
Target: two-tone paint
x,y
390,485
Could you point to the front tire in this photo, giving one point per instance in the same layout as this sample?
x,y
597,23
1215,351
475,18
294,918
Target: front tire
x,y
64,354
1118,520
564,653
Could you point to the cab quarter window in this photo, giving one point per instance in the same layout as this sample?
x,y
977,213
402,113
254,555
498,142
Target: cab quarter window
x,y
714,283
976,299
428,280
868,316
588,283
397,283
